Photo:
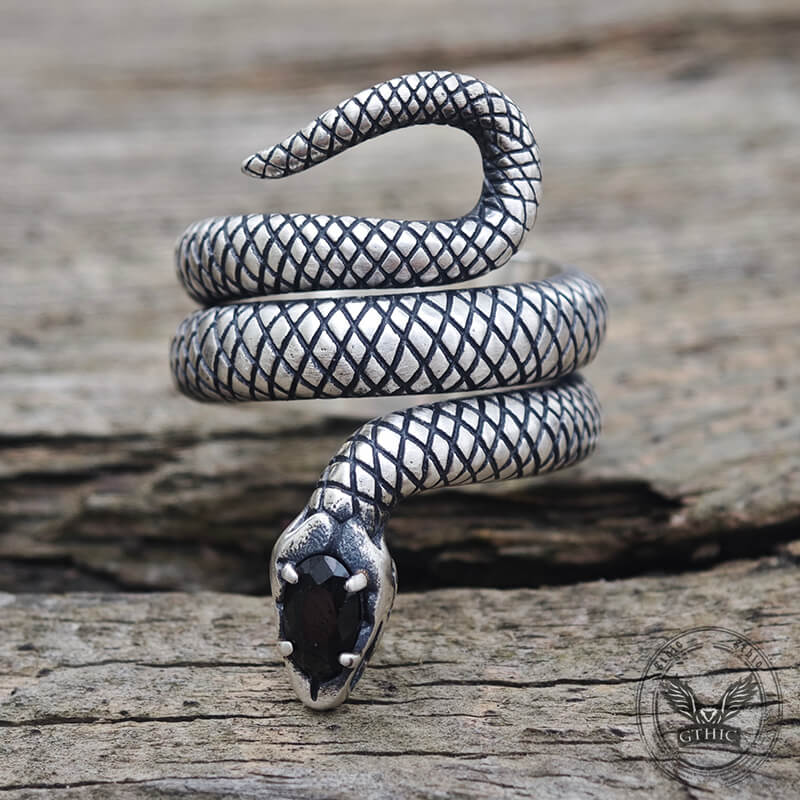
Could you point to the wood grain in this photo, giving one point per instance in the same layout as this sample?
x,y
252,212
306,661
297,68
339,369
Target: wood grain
x,y
659,180
473,693
671,151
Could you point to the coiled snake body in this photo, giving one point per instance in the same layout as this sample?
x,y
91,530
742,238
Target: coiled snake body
x,y
505,337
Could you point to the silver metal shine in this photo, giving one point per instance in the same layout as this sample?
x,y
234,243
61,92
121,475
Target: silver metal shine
x,y
526,340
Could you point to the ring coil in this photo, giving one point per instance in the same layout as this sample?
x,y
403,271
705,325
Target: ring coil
x,y
525,340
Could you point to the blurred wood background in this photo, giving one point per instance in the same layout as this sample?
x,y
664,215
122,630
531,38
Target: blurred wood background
x,y
670,135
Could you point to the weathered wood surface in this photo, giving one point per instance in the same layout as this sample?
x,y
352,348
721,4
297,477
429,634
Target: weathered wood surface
x,y
671,145
659,180
482,693
671,155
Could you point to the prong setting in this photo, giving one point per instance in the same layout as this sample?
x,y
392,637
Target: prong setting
x,y
356,582
324,676
349,660
285,648
289,573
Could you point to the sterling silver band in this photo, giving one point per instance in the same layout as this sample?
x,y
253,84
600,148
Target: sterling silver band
x,y
526,340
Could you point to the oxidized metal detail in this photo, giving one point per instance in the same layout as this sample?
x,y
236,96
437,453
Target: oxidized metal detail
x,y
525,340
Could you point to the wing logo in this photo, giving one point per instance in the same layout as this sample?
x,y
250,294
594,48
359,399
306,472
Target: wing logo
x,y
709,719
709,706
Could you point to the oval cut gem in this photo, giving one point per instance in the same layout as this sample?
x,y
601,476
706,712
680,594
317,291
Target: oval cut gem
x,y
320,617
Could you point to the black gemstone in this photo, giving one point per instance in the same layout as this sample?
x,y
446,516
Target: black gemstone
x,y
320,618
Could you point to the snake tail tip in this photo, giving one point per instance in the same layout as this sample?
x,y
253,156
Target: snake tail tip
x,y
256,167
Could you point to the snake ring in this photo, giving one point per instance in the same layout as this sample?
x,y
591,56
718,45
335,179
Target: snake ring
x,y
518,346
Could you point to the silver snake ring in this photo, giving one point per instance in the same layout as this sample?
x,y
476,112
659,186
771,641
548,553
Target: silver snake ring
x,y
332,577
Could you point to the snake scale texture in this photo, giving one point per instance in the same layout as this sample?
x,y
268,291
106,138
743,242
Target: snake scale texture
x,y
525,341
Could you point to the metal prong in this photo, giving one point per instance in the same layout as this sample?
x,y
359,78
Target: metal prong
x,y
289,574
285,649
355,583
348,660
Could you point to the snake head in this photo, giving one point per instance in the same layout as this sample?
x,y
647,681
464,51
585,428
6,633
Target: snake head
x,y
334,583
